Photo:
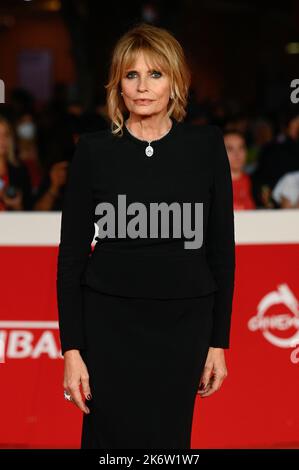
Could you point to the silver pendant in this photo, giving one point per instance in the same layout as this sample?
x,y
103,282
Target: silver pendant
x,y
149,150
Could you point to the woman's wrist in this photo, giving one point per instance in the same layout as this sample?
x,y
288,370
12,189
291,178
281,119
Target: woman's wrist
x,y
72,352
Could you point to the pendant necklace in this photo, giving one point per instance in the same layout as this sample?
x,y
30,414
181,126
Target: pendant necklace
x,y
149,151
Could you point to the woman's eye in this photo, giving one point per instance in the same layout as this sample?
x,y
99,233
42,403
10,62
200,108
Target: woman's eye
x,y
158,73
154,72
129,75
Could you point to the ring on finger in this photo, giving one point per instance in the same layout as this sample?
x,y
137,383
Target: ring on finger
x,y
67,396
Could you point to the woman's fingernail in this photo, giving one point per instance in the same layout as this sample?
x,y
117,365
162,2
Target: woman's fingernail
x,y
88,397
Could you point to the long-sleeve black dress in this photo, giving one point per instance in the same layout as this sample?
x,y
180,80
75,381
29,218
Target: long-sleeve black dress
x,y
144,306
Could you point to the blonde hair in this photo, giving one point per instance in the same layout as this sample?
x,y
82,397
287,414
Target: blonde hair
x,y
11,153
162,48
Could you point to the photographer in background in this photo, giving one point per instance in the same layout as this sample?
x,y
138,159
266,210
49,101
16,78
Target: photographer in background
x,y
15,187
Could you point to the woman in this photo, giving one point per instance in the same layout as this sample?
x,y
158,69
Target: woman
x,y
145,316
236,149
15,186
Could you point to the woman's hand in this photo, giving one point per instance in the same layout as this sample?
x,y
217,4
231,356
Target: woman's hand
x,y
75,373
214,372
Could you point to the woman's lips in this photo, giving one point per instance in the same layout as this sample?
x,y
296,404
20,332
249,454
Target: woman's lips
x,y
143,102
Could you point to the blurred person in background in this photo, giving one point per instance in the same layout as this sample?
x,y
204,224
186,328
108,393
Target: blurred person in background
x,y
26,133
262,133
51,191
286,191
239,122
21,102
80,121
15,188
278,157
236,150
58,135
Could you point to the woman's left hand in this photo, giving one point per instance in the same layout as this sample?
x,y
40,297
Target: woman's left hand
x,y
214,372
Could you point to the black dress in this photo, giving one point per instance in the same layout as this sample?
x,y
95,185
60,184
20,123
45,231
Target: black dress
x,y
145,358
142,309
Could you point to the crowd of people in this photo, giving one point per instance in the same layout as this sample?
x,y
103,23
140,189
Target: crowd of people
x,y
37,145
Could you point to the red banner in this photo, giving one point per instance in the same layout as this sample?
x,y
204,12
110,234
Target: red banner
x,y
257,405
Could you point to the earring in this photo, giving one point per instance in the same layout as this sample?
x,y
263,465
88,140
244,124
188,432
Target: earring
x,y
121,92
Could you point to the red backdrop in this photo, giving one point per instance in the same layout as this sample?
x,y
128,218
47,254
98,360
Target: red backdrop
x,y
257,405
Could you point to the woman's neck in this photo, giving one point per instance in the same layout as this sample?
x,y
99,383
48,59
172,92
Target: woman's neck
x,y
148,130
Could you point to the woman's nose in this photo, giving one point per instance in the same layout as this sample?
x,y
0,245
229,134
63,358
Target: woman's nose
x,y
142,82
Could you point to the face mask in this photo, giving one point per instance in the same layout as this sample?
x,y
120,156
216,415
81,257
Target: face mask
x,y
26,130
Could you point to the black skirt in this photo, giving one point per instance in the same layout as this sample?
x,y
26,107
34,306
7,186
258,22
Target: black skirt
x,y
145,358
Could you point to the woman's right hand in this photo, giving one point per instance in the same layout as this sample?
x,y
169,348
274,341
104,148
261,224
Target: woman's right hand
x,y
76,373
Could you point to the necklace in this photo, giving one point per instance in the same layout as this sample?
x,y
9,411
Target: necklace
x,y
149,151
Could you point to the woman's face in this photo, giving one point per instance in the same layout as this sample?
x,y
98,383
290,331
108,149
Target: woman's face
x,y
4,140
236,151
146,83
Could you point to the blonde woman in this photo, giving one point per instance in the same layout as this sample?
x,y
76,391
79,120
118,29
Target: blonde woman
x,y
15,186
145,316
